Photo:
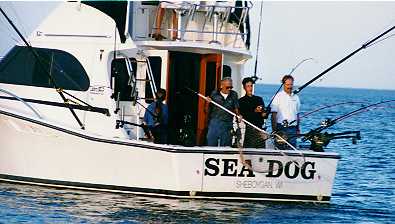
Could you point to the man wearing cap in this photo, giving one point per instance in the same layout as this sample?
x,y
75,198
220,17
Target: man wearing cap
x,y
285,112
220,121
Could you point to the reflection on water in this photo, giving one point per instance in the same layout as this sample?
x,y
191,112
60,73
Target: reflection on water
x,y
19,203
364,190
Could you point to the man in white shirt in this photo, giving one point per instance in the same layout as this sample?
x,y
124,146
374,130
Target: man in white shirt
x,y
285,112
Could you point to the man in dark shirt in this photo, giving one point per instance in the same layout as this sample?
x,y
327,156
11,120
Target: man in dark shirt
x,y
252,110
220,121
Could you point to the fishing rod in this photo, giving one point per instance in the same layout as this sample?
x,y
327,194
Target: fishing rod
x,y
366,45
325,107
320,140
281,138
255,77
52,80
282,84
239,117
327,123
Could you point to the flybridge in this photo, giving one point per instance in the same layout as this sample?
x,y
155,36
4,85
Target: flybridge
x,y
118,11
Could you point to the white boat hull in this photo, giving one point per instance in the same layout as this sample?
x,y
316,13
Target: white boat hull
x,y
37,152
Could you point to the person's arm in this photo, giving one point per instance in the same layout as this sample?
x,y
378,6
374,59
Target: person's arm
x,y
274,111
298,118
237,106
165,114
274,121
148,116
148,121
298,124
263,112
208,101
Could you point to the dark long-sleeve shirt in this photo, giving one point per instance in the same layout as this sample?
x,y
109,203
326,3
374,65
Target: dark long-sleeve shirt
x,y
231,103
247,109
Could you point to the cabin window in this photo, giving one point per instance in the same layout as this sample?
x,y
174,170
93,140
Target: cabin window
x,y
156,67
226,71
123,79
21,67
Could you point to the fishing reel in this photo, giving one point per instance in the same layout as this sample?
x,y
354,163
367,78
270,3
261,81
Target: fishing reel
x,y
327,123
320,140
186,136
236,134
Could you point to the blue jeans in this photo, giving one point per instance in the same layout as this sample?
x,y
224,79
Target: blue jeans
x,y
290,133
221,130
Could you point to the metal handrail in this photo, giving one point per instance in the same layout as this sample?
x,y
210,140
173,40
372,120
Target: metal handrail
x,y
210,32
190,9
204,5
21,100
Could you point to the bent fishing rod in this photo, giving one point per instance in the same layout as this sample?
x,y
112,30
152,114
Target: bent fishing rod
x,y
330,122
282,83
326,107
366,45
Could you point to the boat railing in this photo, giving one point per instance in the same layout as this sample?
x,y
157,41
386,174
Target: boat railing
x,y
217,14
21,100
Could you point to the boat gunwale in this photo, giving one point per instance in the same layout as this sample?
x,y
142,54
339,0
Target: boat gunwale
x,y
174,148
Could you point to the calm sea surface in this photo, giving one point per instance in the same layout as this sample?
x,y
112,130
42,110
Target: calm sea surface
x,y
364,190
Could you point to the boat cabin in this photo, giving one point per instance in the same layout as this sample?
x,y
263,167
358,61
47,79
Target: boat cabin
x,y
115,63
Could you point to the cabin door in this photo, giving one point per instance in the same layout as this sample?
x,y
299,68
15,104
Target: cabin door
x,y
210,76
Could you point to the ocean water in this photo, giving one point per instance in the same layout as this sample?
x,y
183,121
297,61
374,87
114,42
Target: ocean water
x,y
364,190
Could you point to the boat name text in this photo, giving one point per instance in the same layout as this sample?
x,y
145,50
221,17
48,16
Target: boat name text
x,y
276,168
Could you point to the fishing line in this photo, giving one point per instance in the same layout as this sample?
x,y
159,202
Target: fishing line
x,y
244,162
8,33
24,30
47,73
377,33
364,46
378,41
329,106
282,84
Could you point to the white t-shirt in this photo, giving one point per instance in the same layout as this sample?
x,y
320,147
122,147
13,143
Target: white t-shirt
x,y
286,106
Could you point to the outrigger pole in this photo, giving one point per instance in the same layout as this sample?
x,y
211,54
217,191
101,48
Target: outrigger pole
x,y
58,90
255,77
342,60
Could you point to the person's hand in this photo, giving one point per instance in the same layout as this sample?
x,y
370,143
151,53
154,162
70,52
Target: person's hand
x,y
265,115
239,118
208,99
268,110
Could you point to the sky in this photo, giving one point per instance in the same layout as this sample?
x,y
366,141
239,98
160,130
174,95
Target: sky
x,y
327,32
290,32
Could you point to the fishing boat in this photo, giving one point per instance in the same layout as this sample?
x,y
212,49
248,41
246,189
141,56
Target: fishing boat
x,y
73,97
